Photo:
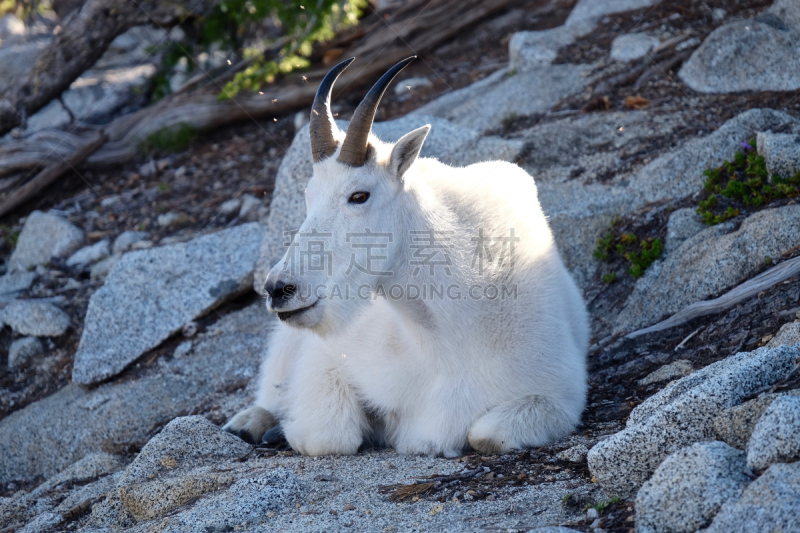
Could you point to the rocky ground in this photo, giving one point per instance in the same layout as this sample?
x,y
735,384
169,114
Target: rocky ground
x,y
111,401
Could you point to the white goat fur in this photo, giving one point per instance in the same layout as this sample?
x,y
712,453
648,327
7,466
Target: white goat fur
x,y
427,377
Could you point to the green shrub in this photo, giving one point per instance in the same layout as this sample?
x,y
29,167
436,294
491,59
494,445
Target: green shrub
x,y
300,24
743,183
638,253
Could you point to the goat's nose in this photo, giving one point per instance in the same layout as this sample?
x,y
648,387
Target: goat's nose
x,y
279,291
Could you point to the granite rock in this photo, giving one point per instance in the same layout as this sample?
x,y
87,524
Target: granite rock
x,y
23,350
735,424
126,239
89,254
632,46
88,479
32,317
675,369
789,334
34,441
760,54
101,269
507,94
770,503
682,225
781,153
44,237
193,277
776,437
682,414
408,85
147,489
15,283
576,454
689,487
595,9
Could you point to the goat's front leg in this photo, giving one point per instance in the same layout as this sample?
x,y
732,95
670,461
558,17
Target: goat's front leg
x,y
324,415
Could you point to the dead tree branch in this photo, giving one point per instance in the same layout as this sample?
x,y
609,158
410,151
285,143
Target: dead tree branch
x,y
77,44
50,174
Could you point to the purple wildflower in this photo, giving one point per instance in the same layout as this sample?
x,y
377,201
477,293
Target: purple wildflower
x,y
746,146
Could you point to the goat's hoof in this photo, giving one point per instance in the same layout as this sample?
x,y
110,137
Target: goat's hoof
x,y
274,436
251,424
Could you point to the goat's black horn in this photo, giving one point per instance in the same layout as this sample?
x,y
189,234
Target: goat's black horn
x,y
354,148
322,126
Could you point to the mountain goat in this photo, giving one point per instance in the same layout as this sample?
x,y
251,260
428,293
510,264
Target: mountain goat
x,y
421,306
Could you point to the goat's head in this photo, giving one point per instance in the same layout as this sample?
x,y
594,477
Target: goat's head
x,y
352,238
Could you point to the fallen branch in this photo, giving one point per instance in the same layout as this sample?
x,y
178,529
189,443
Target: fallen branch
x,y
50,174
408,31
748,289
77,44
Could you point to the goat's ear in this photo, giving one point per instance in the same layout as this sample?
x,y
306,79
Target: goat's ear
x,y
407,149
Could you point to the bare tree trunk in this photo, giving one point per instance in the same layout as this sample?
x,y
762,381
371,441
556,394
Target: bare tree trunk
x,y
78,43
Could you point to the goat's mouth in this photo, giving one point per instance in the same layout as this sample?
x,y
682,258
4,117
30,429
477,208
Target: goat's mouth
x,y
285,315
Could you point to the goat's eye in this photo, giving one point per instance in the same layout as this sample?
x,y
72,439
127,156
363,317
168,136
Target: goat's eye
x,y
359,197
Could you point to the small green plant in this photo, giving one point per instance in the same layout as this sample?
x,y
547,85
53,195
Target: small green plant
x,y
512,72
228,27
743,183
600,507
610,278
508,120
10,234
163,186
174,139
638,253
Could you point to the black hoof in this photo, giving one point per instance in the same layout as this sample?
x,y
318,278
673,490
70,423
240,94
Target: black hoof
x,y
273,436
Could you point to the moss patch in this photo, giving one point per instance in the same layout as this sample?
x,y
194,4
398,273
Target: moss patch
x,y
742,184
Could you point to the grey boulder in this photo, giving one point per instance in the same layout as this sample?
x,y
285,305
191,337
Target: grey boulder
x,y
770,503
89,254
760,54
682,414
88,479
150,294
682,225
676,369
32,317
44,237
50,434
23,350
781,153
506,94
788,334
632,46
689,487
736,424
576,454
193,459
13,284
126,239
776,437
